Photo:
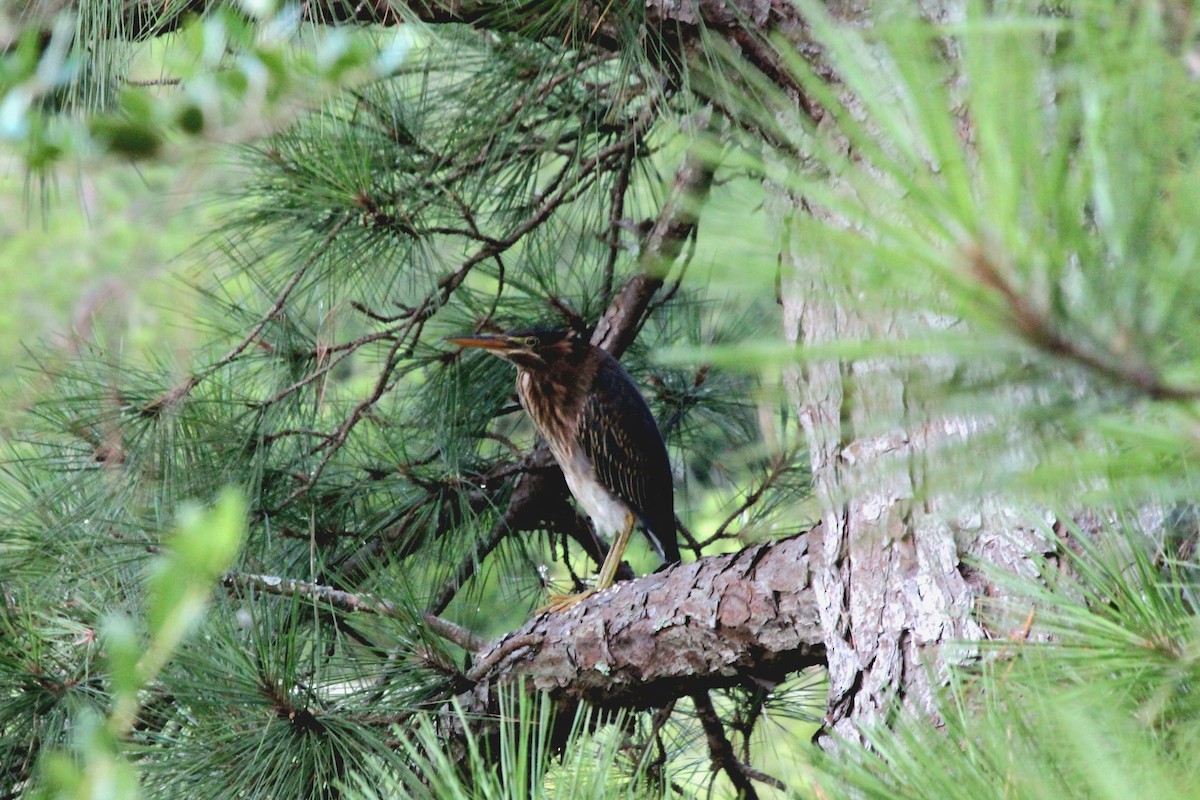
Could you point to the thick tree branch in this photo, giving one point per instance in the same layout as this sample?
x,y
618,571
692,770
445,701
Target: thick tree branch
x,y
747,618
679,23
676,223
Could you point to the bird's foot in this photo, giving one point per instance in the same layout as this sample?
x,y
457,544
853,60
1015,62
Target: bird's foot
x,y
564,602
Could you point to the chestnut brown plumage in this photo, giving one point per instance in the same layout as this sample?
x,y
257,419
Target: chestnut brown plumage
x,y
600,431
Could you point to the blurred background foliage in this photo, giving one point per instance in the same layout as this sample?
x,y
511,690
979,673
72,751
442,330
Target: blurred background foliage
x,y
99,254
260,302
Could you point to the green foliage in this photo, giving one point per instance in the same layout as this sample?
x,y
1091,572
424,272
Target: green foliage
x,y
1106,708
470,179
590,765
1017,189
203,546
221,98
1021,187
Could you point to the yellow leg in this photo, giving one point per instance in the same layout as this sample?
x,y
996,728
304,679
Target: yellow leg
x,y
606,577
608,570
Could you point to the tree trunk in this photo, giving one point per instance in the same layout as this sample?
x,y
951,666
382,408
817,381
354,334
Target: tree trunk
x,y
890,573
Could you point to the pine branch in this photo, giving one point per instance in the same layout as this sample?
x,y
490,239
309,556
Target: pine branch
x,y
351,602
676,24
676,223
1131,370
719,748
616,214
288,587
176,394
455,633
779,466
560,190
744,618
517,508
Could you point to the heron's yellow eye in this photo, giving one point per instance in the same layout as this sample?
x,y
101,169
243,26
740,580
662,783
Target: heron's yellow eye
x,y
531,341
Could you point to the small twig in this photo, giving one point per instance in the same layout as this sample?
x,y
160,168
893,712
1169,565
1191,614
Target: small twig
x,y
744,723
668,425
577,582
1039,330
676,222
669,295
654,738
455,633
175,394
288,587
153,82
371,313
756,774
572,317
778,467
720,750
683,530
469,217
307,379
514,644
334,443
616,212
1017,637
504,440
285,432
483,548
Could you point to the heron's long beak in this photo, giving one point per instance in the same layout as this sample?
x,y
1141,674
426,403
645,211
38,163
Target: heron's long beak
x,y
484,341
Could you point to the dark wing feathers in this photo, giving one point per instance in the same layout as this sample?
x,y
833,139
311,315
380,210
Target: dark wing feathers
x,y
620,439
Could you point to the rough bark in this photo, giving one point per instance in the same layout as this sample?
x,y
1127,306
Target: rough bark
x,y
892,573
748,618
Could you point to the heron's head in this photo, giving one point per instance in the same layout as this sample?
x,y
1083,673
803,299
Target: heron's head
x,y
528,348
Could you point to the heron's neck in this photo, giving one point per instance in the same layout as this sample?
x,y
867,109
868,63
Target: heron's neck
x,y
554,394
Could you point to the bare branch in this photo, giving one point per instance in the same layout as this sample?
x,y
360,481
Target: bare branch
x,y
455,633
616,200
1124,369
779,466
287,587
676,223
719,748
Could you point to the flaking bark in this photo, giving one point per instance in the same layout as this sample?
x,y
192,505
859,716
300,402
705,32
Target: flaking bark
x,y
748,618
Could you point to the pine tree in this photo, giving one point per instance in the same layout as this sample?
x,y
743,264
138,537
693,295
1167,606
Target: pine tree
x,y
980,235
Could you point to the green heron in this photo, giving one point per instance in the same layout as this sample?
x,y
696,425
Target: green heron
x,y
601,433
